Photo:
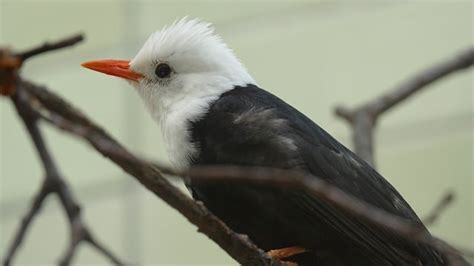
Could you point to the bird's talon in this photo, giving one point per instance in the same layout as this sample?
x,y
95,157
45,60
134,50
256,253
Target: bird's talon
x,y
286,252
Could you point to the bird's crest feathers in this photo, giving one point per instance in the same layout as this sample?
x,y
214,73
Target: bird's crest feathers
x,y
181,35
195,48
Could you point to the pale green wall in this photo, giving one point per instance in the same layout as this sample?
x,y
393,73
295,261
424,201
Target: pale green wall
x,y
314,55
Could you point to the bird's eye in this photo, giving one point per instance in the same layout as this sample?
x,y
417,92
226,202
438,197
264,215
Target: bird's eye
x,y
163,70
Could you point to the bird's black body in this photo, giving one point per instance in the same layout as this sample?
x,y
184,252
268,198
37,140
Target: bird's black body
x,y
251,127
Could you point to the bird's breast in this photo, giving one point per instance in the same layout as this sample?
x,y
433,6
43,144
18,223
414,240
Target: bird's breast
x,y
176,126
179,147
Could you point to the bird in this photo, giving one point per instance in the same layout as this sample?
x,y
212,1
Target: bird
x,y
211,111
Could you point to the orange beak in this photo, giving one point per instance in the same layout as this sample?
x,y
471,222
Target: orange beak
x,y
118,68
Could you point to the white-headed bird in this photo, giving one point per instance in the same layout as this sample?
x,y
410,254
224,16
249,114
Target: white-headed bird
x,y
212,112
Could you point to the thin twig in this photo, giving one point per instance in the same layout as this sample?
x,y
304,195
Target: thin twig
x,y
78,235
48,47
384,102
363,118
25,224
439,208
101,248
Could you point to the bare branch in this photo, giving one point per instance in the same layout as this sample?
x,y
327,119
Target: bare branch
x,y
287,179
364,117
101,248
48,47
10,62
381,104
25,224
53,183
78,235
62,115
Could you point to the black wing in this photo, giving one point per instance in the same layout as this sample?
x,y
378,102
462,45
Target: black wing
x,y
247,122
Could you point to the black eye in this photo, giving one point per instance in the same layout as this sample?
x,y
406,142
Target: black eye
x,y
163,70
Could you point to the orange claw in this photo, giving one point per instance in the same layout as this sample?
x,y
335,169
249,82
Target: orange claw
x,y
286,252
289,263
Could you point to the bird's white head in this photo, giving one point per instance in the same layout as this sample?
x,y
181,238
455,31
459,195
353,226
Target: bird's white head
x,y
178,72
183,63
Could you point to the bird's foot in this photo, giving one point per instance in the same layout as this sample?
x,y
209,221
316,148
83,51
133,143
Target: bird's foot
x,y
283,253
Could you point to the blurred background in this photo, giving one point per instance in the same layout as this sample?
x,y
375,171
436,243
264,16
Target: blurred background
x,y
314,55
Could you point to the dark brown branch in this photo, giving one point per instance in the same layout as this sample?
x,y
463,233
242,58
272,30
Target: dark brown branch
x,y
53,183
364,117
48,47
294,180
62,115
460,61
10,62
101,248
82,234
78,235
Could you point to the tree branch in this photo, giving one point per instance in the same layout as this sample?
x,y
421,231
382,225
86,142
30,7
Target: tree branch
x,y
48,47
67,118
25,223
55,110
364,117
53,183
439,208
